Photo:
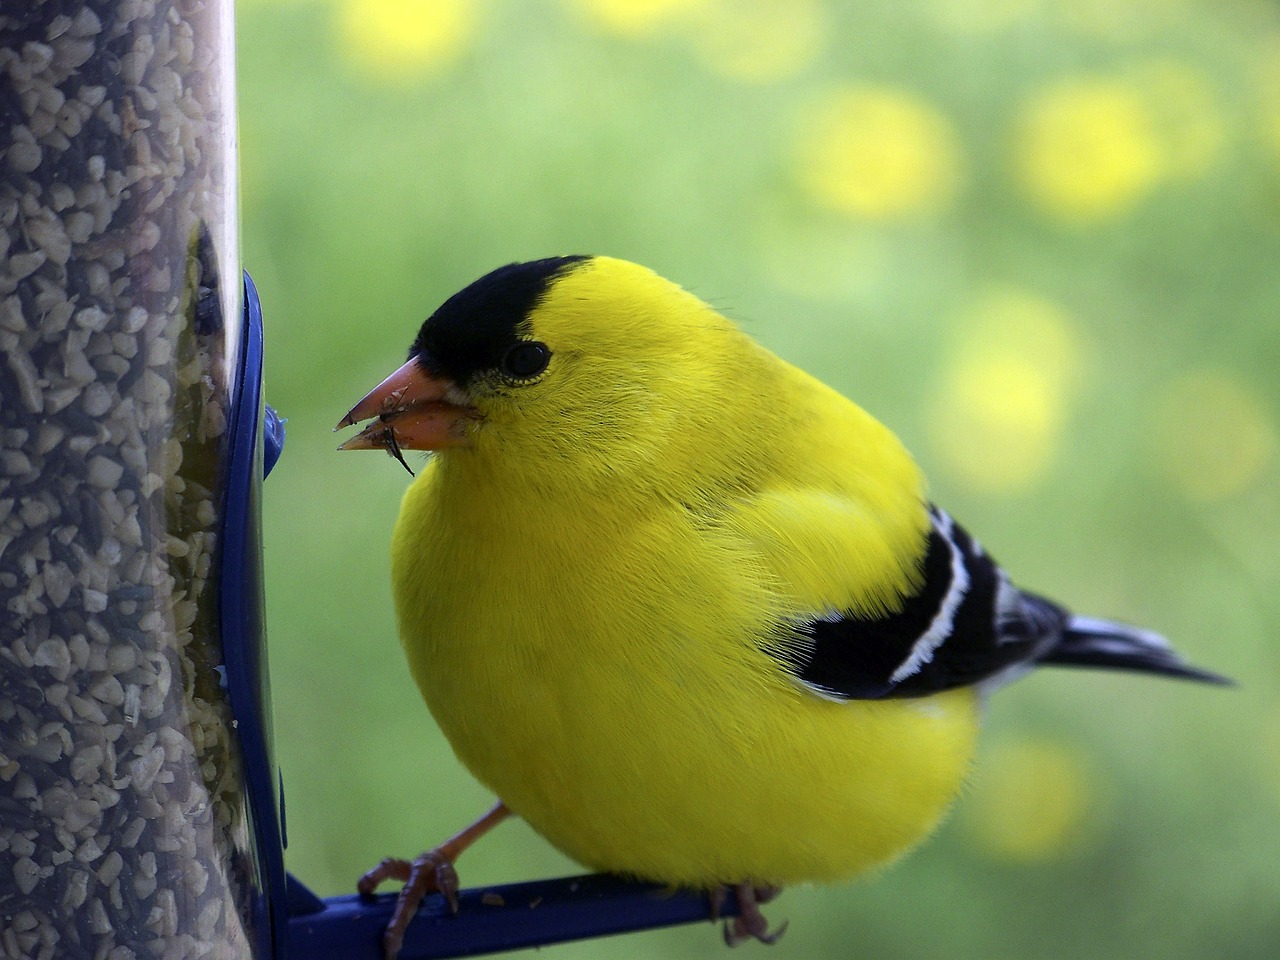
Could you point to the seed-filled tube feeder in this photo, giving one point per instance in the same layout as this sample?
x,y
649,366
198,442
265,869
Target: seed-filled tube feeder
x,y
141,811
127,829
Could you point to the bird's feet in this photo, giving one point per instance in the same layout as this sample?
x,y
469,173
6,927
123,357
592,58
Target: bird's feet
x,y
750,923
430,872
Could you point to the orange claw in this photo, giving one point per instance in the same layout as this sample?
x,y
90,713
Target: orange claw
x,y
430,872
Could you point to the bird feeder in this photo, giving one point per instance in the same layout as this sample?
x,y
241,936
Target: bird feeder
x,y
141,811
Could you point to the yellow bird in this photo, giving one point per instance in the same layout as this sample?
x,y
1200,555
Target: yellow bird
x,y
685,609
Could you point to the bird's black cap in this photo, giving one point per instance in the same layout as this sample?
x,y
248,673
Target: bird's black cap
x,y
473,329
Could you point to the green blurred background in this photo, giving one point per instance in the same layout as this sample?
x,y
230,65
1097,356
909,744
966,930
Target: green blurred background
x,y
1038,239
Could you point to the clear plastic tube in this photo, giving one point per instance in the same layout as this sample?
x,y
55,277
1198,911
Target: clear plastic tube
x,y
123,829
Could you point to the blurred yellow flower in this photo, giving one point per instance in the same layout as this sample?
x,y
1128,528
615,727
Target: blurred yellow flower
x,y
1212,434
1032,800
878,153
1086,149
998,415
635,18
758,41
398,40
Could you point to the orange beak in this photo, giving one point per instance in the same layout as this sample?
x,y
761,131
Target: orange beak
x,y
414,411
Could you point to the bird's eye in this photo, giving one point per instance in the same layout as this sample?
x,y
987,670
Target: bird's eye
x,y
526,359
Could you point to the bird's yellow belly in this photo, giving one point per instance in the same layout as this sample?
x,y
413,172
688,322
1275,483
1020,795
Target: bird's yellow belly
x,y
697,780
629,715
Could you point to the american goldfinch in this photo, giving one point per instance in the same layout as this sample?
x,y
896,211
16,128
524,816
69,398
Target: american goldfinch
x,y
686,610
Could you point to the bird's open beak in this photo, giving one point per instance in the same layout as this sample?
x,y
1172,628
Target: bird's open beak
x,y
414,411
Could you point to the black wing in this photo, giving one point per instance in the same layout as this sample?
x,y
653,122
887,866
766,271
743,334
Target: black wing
x,y
967,624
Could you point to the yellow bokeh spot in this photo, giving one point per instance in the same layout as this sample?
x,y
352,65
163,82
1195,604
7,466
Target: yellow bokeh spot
x,y
1087,149
1213,435
1033,800
635,18
877,153
758,41
998,415
398,40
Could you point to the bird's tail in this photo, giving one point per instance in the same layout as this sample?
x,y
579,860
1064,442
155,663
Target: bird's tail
x,y
1090,642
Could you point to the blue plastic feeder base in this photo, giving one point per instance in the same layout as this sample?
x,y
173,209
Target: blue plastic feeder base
x,y
489,919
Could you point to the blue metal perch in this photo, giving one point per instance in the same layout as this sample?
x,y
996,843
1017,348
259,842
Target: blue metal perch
x,y
489,920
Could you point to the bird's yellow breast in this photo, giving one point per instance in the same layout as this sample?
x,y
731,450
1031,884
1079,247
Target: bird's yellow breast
x,y
601,668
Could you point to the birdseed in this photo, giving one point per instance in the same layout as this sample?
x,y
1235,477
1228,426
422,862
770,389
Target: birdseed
x,y
123,829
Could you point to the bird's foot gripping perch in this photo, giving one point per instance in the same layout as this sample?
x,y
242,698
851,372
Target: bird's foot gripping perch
x,y
429,872
750,923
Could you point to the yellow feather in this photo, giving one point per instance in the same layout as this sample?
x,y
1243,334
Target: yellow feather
x,y
588,596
